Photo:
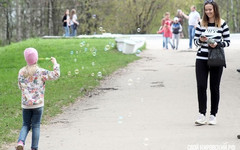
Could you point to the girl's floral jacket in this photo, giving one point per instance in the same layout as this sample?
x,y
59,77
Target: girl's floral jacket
x,y
33,87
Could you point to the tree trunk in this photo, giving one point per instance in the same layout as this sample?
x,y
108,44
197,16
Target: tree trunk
x,y
18,16
233,17
38,19
238,7
28,19
50,22
8,26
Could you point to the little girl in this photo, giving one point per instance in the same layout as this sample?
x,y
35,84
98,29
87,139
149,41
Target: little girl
x,y
31,81
167,33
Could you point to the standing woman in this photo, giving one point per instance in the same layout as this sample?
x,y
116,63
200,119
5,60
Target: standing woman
x,y
65,21
73,22
211,26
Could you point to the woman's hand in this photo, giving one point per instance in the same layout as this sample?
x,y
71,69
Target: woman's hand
x,y
203,38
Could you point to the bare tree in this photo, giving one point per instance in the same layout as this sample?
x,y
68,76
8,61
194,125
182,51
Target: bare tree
x,y
238,20
18,16
50,22
234,20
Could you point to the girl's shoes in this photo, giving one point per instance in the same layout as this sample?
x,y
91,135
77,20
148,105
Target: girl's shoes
x,y
20,145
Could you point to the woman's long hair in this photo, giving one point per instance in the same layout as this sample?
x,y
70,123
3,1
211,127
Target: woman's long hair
x,y
205,18
30,70
72,13
65,14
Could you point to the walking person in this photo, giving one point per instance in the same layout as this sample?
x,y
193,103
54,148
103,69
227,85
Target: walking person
x,y
167,34
73,22
176,30
181,21
193,20
65,21
31,81
166,18
211,26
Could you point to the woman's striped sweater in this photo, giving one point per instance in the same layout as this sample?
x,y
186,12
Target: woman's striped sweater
x,y
220,35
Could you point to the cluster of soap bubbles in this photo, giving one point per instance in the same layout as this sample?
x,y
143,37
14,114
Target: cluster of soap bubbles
x,y
109,46
93,50
84,49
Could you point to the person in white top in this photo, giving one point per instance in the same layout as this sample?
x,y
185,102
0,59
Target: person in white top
x,y
73,22
193,19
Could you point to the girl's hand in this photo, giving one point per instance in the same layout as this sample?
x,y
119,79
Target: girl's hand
x,y
53,60
213,45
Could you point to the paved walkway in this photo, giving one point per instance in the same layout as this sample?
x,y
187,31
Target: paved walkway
x,y
151,105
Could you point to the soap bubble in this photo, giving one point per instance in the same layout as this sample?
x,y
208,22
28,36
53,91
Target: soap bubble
x,y
85,49
93,63
100,29
81,44
138,29
130,114
146,141
130,82
94,53
77,52
94,16
76,71
93,49
138,51
75,59
71,52
120,119
92,74
69,73
99,74
82,67
112,45
107,47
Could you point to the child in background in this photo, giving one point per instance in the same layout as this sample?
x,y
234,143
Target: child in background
x,y
31,81
167,33
176,30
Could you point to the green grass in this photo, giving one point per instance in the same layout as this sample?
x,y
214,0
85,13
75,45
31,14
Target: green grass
x,y
59,93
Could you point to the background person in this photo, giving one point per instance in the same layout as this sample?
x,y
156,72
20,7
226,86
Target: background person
x,y
176,30
211,26
193,20
181,21
166,18
73,22
65,21
167,33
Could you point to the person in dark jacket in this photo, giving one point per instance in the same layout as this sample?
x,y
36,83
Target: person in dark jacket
x,y
65,21
176,30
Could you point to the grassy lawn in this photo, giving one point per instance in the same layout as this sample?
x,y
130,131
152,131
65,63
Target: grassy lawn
x,y
84,62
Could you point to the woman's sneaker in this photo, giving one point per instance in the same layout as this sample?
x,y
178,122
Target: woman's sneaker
x,y
201,120
212,120
20,145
